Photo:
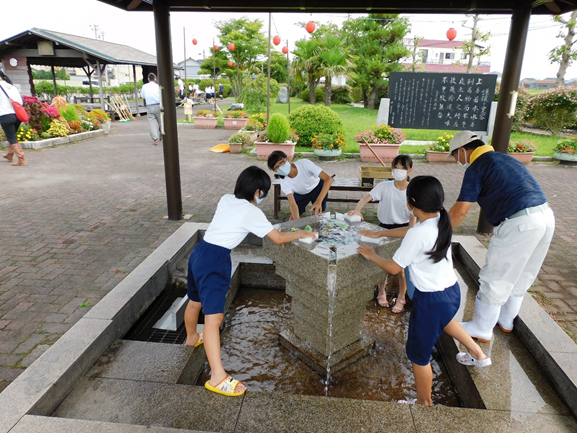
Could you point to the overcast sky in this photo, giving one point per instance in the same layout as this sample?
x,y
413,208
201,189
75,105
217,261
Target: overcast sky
x,y
136,29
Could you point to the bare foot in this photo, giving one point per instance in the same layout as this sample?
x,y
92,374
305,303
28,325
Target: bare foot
x,y
193,340
214,381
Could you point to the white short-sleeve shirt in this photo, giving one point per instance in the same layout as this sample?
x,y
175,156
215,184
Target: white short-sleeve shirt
x,y
425,275
151,93
305,181
233,220
5,104
392,203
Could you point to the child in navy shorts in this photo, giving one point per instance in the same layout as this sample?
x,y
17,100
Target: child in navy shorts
x,y
209,268
426,250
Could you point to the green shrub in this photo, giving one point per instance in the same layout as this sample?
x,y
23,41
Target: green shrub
x,y
205,82
69,113
523,99
553,109
341,94
319,94
310,120
357,94
254,93
278,130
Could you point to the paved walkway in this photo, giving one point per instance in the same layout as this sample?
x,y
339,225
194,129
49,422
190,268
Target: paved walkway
x,y
82,216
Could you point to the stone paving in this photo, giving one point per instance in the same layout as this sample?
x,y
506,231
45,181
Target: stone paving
x,y
80,217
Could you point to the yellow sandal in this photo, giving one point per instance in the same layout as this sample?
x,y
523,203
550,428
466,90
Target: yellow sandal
x,y
226,387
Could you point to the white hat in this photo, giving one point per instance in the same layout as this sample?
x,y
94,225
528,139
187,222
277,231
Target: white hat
x,y
461,139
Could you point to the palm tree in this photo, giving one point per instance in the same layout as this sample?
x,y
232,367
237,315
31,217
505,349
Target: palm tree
x,y
306,61
335,60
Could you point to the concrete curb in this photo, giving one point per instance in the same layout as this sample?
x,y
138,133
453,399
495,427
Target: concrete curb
x,y
51,142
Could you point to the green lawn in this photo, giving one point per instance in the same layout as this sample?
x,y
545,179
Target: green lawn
x,y
358,119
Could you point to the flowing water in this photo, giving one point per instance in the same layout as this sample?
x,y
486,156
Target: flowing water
x,y
331,287
251,353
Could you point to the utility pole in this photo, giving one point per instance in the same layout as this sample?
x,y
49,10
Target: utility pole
x,y
185,77
268,80
288,78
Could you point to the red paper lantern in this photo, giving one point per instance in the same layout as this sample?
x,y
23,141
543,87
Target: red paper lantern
x,y
216,48
231,46
194,42
310,27
451,34
276,40
284,50
229,64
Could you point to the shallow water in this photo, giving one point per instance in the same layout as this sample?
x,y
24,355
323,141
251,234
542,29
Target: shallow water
x,y
251,353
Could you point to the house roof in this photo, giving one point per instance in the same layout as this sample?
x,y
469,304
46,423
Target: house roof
x,y
435,43
70,50
539,7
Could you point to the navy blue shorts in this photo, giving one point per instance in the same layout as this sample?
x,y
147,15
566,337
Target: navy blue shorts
x,y
431,312
393,226
302,200
208,278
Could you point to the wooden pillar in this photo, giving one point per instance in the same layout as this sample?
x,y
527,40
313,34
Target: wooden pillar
x,y
135,90
100,85
161,11
54,81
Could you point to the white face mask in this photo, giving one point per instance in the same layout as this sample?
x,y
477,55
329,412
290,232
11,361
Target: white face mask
x,y
285,169
399,174
258,199
466,164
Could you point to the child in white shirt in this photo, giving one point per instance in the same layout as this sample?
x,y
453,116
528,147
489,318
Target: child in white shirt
x,y
392,213
426,250
209,268
303,183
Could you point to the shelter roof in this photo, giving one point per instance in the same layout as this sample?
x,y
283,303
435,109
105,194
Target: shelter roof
x,y
369,6
71,50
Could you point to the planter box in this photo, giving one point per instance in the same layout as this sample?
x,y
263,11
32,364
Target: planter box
x,y
263,150
327,153
234,123
522,157
253,135
235,147
387,152
432,156
372,176
204,123
51,142
566,158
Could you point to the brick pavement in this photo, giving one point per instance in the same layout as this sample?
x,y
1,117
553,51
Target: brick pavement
x,y
80,217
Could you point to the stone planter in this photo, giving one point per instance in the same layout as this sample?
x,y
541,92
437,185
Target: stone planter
x,y
387,152
205,123
432,156
327,154
234,123
565,158
263,150
253,135
522,157
235,147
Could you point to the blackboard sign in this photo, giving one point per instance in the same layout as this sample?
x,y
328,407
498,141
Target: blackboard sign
x,y
427,100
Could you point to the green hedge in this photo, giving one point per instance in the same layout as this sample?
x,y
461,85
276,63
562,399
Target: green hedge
x,y
309,120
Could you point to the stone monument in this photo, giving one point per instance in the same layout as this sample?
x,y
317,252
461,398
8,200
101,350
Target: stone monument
x,y
282,97
330,284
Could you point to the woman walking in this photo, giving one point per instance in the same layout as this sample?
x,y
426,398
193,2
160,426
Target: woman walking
x,y
8,119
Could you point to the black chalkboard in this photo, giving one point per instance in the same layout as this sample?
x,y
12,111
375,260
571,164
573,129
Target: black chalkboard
x,y
427,100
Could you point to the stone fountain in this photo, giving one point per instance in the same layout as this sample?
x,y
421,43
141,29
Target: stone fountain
x,y
330,284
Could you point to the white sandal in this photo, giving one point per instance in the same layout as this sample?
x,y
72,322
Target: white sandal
x,y
410,401
466,359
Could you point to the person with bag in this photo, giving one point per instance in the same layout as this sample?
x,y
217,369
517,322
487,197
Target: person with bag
x,y
8,120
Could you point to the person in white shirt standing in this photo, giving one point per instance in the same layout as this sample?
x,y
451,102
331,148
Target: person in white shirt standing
x,y
9,121
303,183
209,268
151,94
426,250
180,87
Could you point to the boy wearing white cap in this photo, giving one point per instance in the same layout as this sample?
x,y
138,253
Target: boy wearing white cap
x,y
513,202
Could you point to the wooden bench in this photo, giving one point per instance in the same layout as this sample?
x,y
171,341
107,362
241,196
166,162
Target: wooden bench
x,y
339,184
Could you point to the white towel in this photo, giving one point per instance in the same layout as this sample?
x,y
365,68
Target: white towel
x,y
371,240
309,240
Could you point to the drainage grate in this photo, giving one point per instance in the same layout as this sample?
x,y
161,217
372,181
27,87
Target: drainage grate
x,y
142,330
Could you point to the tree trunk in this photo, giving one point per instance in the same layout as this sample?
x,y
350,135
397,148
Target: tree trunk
x,y
365,98
328,90
566,56
473,42
312,87
371,105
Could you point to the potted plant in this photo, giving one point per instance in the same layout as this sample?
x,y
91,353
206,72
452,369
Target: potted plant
x,y
237,141
439,151
205,119
328,145
566,151
259,118
522,150
384,140
276,137
252,129
235,119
